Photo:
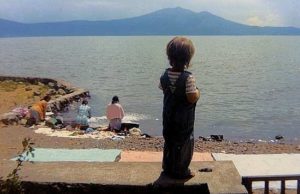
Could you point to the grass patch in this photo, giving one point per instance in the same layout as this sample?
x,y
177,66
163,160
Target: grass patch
x,y
9,86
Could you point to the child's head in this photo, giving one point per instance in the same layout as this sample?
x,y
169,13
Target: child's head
x,y
180,51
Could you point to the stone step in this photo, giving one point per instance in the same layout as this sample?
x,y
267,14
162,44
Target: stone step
x,y
126,177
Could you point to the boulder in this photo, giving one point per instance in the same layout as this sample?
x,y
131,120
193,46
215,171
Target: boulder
x,y
9,118
23,121
37,93
41,84
61,86
51,84
69,91
61,92
51,92
28,88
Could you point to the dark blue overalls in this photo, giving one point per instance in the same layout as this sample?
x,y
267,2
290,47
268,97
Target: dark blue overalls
x,y
178,126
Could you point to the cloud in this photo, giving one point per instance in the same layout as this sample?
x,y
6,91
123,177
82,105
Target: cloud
x,y
255,21
264,20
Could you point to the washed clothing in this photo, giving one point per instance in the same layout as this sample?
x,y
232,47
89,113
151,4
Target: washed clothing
x,y
115,114
84,113
178,125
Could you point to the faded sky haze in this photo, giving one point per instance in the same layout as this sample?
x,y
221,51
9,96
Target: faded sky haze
x,y
251,12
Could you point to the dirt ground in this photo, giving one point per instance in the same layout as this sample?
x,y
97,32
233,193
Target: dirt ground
x,y
15,94
12,136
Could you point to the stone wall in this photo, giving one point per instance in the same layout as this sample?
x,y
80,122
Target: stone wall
x,y
62,93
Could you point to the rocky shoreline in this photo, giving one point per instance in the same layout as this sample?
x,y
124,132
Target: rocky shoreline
x,y
62,93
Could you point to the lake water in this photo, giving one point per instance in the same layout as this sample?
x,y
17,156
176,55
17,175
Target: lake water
x,y
250,85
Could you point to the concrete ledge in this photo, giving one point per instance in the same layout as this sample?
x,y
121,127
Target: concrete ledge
x,y
126,177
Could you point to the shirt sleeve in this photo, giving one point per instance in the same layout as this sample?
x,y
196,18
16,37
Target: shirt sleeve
x,y
190,85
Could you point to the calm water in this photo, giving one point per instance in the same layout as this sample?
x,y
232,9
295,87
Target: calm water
x,y
250,85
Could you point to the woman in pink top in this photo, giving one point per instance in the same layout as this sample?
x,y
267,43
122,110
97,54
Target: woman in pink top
x,y
115,114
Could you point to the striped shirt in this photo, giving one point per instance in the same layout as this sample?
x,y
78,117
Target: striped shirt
x,y
190,83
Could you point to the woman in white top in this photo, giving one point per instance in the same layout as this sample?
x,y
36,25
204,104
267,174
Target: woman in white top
x,y
115,114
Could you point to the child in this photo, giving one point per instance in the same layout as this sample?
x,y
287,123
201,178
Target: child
x,y
180,97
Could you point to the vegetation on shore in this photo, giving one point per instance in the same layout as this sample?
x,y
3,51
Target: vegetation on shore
x,y
13,184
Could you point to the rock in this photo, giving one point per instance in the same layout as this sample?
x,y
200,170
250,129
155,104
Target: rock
x,y
41,84
217,137
51,92
51,84
61,86
69,91
203,138
23,121
37,93
28,88
9,118
298,148
278,137
61,92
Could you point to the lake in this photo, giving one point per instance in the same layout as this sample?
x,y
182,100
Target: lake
x,y
250,85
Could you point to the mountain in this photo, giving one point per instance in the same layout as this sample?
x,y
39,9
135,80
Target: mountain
x,y
170,21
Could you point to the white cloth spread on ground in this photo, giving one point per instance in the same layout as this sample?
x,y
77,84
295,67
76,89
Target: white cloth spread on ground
x,y
75,134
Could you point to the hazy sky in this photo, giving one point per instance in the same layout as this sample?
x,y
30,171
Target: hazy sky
x,y
253,12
